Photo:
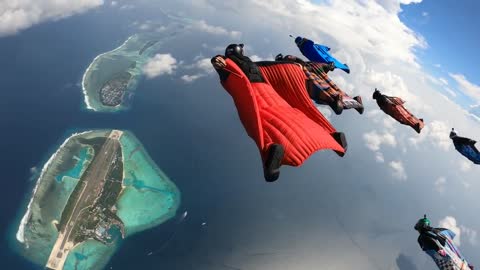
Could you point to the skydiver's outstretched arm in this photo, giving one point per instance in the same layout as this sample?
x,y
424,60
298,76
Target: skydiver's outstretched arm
x,y
219,64
464,140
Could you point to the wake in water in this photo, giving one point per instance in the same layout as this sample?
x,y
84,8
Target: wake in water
x,y
172,235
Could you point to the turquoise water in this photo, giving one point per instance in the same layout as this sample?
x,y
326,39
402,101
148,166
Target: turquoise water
x,y
126,58
89,255
149,198
76,171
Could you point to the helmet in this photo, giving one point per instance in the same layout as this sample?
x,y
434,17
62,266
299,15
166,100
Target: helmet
x,y
376,94
452,133
234,49
279,57
422,223
298,40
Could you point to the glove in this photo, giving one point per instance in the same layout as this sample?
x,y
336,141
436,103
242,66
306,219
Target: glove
x,y
442,253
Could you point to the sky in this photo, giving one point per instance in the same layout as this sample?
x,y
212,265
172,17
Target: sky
x,y
391,176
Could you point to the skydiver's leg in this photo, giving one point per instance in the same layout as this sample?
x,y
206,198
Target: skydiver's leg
x,y
342,140
352,103
273,161
407,118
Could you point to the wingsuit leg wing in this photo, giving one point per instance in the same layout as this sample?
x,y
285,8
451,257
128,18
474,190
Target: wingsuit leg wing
x,y
269,119
288,80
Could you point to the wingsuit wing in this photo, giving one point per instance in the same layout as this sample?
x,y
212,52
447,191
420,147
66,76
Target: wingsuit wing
x,y
280,115
396,100
288,79
323,51
453,259
246,99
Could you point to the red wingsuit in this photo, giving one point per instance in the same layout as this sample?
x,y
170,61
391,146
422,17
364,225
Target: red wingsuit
x,y
274,111
393,106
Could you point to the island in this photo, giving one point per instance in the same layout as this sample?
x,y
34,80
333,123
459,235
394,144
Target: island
x,y
97,188
110,81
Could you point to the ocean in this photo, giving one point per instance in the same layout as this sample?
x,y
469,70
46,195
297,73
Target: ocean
x,y
310,217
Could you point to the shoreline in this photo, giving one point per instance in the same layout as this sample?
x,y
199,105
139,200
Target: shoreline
x,y
84,90
20,235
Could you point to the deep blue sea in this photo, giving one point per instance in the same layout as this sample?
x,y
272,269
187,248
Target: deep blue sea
x,y
180,126
193,133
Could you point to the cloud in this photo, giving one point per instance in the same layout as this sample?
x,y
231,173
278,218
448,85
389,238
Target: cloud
x,y
325,111
437,133
470,235
440,184
437,65
374,140
17,15
450,223
379,157
443,80
468,88
190,78
425,14
203,65
398,170
113,3
465,165
203,26
405,263
159,65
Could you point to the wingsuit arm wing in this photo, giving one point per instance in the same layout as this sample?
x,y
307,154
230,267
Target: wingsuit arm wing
x,y
463,140
222,72
396,100
244,98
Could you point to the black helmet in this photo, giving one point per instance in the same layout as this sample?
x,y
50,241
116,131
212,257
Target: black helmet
x,y
234,49
452,133
279,57
376,94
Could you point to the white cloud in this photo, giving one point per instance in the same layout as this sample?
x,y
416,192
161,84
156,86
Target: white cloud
x,y
468,88
440,184
450,91
203,26
374,140
256,58
204,65
470,234
443,80
450,223
113,3
398,170
324,110
190,78
379,157
425,14
17,15
465,165
437,132
160,64
437,65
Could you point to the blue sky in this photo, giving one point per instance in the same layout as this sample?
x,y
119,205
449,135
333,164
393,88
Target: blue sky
x,y
390,177
451,31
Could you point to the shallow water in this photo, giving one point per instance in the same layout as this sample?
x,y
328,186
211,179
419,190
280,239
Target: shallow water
x,y
143,203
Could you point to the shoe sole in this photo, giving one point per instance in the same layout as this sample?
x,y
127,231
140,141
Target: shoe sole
x,y
275,156
342,140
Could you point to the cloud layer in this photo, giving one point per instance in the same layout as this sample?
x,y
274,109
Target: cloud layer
x,y
159,65
17,15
